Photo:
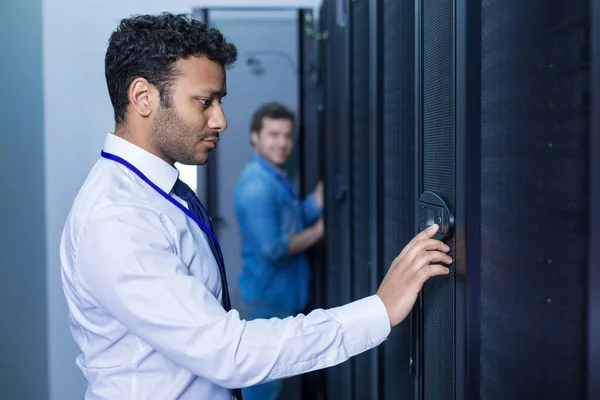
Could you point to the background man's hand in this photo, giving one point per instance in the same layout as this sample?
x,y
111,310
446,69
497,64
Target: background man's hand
x,y
319,228
318,192
418,261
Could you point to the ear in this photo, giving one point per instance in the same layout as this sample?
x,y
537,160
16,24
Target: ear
x,y
254,138
142,96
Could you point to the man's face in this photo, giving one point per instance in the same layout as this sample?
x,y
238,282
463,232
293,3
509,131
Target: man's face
x,y
274,141
188,130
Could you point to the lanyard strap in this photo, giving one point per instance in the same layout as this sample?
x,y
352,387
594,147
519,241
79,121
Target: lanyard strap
x,y
163,194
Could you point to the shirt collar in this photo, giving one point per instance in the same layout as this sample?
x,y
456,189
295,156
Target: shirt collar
x,y
157,170
260,160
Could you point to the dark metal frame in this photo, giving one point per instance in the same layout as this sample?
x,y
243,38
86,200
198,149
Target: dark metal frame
x,y
310,172
593,312
377,269
416,319
467,256
344,24
337,89
361,275
301,128
309,142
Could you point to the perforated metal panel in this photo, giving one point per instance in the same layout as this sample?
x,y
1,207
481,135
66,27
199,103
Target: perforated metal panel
x,y
438,176
399,168
534,210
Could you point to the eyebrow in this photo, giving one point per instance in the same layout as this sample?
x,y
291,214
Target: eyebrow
x,y
211,93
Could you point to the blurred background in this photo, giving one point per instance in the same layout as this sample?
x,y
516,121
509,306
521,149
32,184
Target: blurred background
x,y
484,114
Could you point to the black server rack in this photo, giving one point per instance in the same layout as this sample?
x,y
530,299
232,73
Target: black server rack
x,y
363,385
336,126
398,148
352,121
504,90
535,135
482,116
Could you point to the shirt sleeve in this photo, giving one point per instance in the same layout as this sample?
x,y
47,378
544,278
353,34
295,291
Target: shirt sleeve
x,y
260,220
127,265
311,211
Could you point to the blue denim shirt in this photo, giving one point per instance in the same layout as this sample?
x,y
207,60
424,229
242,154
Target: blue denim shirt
x,y
268,212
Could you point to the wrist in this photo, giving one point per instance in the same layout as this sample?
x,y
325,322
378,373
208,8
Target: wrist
x,y
387,309
316,231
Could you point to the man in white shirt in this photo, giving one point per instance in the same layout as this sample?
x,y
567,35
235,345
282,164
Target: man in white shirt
x,y
142,272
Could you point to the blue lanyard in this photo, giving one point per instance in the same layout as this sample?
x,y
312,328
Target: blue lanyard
x,y
163,194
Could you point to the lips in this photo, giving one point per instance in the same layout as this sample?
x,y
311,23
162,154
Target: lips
x,y
212,142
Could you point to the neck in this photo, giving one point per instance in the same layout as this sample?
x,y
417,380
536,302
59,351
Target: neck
x,y
277,167
142,141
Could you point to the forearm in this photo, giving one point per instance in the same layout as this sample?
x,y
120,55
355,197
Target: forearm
x,y
280,348
302,241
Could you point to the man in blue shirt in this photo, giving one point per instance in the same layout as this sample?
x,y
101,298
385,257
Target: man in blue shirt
x,y
276,226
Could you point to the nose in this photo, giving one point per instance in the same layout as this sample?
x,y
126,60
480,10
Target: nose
x,y
217,120
284,142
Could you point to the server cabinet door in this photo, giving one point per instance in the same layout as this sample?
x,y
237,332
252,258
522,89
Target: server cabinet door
x,y
435,193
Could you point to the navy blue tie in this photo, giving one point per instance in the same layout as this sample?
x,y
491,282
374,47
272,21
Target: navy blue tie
x,y
186,193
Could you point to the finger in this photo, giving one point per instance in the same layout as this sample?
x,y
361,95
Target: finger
x,y
432,270
431,257
424,246
423,235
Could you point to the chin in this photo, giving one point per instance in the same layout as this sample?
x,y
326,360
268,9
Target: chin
x,y
203,159
279,161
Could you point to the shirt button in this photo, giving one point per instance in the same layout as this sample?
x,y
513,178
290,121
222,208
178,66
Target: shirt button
x,y
370,343
323,361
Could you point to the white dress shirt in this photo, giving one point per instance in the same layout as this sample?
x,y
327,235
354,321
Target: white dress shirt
x,y
143,291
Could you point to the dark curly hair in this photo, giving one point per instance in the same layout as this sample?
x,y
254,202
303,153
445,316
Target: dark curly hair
x,y
272,110
148,45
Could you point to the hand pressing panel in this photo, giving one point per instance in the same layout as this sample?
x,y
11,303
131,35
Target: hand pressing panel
x,y
420,260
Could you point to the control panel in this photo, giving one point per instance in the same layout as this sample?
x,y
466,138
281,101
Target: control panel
x,y
433,210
